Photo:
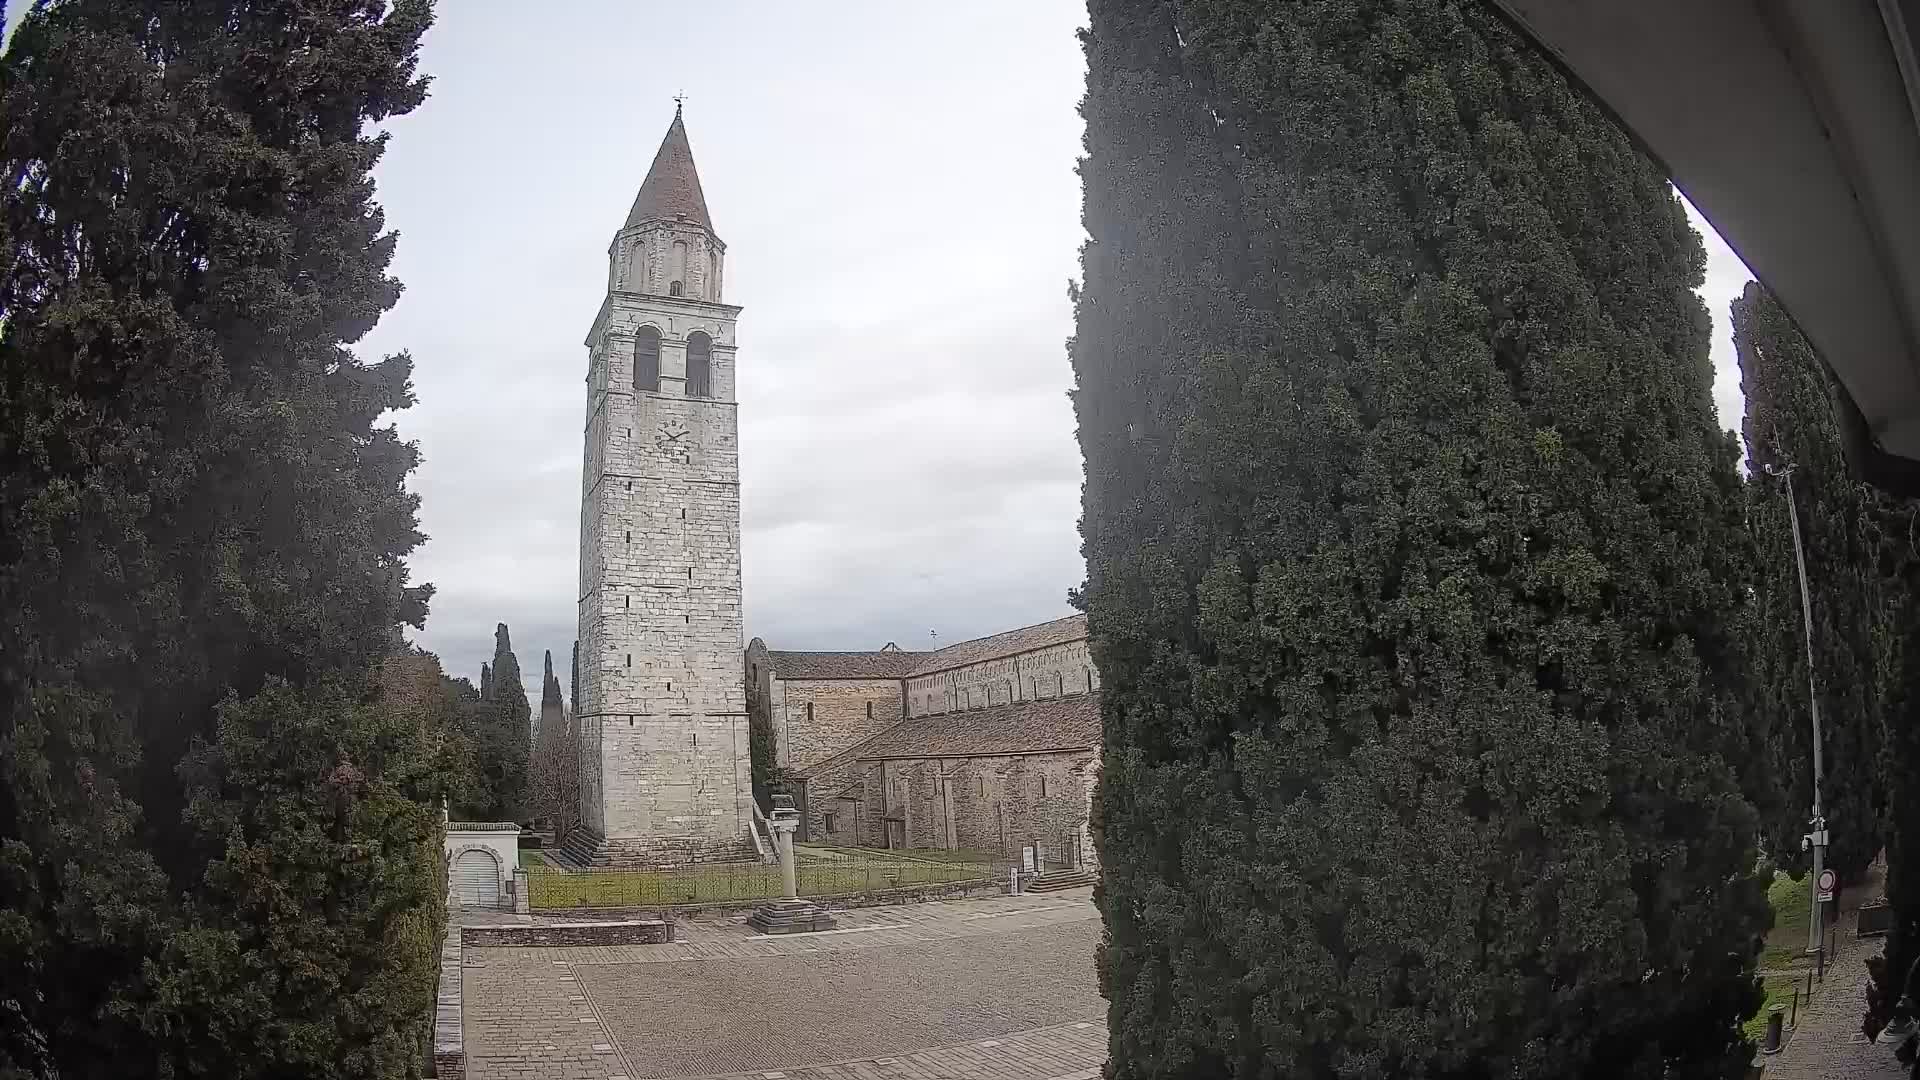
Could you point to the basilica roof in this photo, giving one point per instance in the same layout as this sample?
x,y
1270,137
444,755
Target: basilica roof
x,y
894,663
671,191
1020,727
980,650
881,664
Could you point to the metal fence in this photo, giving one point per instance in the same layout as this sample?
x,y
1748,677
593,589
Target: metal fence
x,y
552,888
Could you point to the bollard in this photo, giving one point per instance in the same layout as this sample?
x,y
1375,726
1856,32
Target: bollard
x,y
1776,1017
1793,1017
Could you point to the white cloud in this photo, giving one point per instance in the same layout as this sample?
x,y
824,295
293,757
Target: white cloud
x,y
896,186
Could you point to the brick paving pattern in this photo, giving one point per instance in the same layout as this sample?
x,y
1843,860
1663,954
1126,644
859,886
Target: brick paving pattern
x,y
1827,1043
1066,1052
998,989
988,989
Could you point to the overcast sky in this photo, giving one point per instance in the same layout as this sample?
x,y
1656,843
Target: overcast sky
x,y
895,184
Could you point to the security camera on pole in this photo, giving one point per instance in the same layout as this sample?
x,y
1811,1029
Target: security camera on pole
x,y
1815,841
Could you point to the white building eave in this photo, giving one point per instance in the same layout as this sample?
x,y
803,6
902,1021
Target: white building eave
x,y
1794,127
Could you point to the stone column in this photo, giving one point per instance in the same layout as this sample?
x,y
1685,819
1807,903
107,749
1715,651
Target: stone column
x,y
783,830
790,914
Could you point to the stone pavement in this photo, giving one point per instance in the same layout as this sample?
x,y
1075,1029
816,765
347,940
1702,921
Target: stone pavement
x,y
989,989
1067,1052
1827,1043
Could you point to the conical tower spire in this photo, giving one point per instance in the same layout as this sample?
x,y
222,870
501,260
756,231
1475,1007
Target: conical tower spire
x,y
671,191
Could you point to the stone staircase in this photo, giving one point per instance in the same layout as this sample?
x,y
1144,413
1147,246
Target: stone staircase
x,y
762,834
1056,880
583,850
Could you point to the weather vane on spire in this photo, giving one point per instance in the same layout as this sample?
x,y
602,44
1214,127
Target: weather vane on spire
x,y
679,99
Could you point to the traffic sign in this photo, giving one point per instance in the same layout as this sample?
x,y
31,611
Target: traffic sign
x,y
1825,886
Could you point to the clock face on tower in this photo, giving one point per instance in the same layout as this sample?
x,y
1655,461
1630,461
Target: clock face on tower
x,y
672,441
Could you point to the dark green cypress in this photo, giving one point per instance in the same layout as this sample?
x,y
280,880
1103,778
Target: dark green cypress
x,y
203,524
506,751
1896,972
549,686
504,686
1791,419
1416,561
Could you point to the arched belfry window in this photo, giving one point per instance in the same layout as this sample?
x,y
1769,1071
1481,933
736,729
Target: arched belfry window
x,y
646,360
677,269
699,365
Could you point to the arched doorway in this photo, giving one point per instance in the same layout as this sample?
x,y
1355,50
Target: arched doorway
x,y
476,878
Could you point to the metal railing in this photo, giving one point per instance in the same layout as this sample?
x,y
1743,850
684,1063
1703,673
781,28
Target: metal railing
x,y
551,888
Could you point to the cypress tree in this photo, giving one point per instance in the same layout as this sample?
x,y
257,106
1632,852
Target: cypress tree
x,y
202,534
1415,558
549,686
504,743
1896,971
507,691
1791,420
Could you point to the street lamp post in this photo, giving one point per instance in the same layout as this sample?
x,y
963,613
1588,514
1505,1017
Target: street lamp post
x,y
1816,840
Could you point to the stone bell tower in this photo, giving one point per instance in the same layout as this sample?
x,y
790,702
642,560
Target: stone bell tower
x,y
662,716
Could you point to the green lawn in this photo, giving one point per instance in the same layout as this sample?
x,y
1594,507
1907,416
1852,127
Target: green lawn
x,y
551,889
960,855
939,855
1790,900
1779,992
531,859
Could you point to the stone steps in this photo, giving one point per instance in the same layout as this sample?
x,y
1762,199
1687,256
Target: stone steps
x,y
1056,880
583,850
791,917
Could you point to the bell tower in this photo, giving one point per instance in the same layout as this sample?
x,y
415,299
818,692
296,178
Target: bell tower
x,y
662,715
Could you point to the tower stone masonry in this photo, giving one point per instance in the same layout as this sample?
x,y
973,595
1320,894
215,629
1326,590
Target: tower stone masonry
x,y
662,715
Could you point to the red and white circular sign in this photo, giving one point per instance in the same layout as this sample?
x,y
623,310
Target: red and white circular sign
x,y
1827,881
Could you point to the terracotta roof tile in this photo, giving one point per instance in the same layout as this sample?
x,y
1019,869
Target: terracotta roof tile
x,y
891,664
1021,727
980,650
672,188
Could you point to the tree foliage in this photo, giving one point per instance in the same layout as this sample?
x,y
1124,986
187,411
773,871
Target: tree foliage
x,y
507,751
202,534
554,776
314,947
1416,562
1791,420
1896,972
497,723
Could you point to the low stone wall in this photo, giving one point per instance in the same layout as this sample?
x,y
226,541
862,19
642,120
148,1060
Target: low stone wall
x,y
616,932
449,1046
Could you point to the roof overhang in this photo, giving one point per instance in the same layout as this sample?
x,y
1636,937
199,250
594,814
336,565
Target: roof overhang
x,y
1794,127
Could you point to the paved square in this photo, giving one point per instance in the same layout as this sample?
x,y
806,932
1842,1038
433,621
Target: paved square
x,y
676,1020
988,990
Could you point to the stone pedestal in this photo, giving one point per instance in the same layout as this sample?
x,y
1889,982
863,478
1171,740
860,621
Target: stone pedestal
x,y
791,916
